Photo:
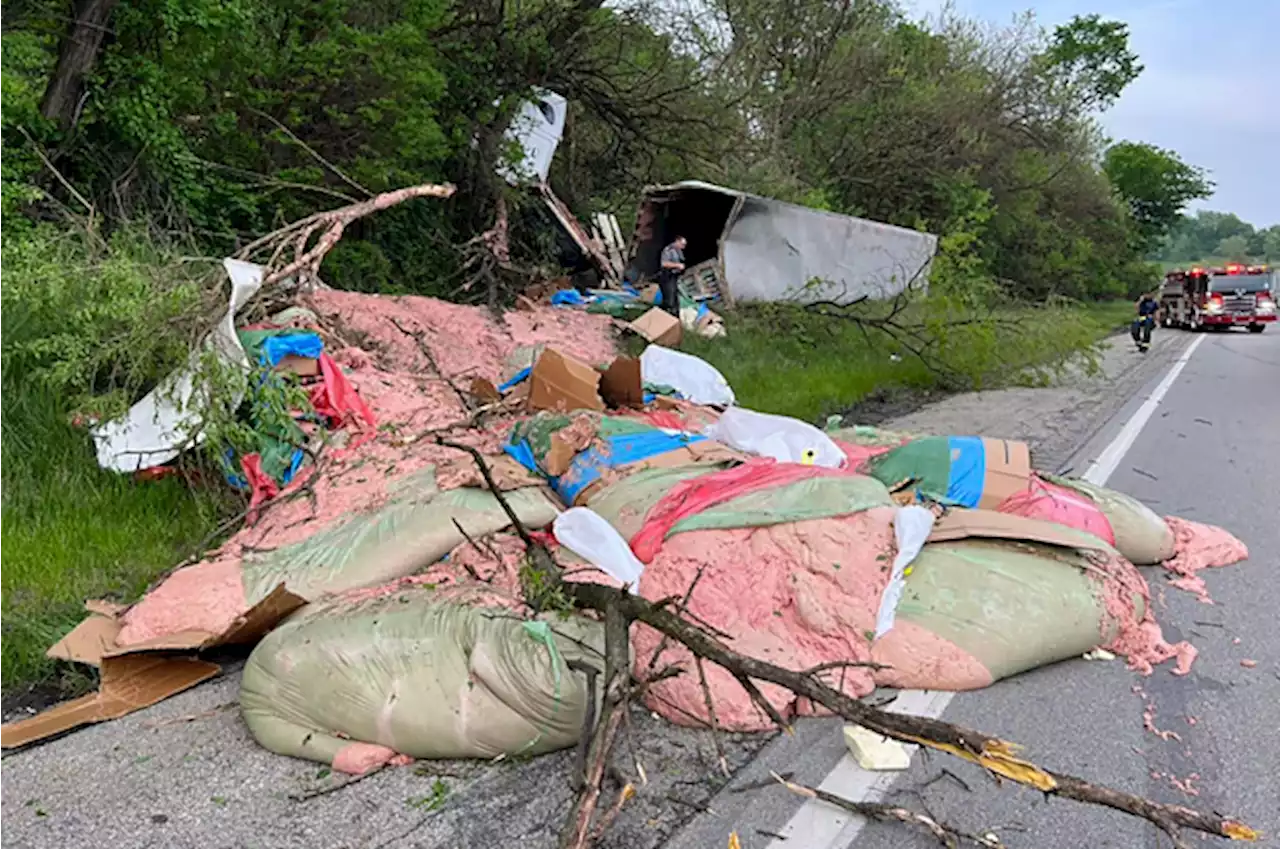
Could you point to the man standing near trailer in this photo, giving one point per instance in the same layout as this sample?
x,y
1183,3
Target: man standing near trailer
x,y
672,264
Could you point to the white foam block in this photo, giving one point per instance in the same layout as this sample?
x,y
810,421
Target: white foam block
x,y
874,751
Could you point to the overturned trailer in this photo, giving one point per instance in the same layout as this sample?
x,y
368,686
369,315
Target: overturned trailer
x,y
753,248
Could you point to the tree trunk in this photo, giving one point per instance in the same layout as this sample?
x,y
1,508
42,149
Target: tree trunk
x,y
77,55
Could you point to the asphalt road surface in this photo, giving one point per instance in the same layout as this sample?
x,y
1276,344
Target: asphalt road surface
x,y
1202,443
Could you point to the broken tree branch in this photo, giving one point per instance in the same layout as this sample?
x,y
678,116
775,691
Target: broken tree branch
x,y
945,834
578,831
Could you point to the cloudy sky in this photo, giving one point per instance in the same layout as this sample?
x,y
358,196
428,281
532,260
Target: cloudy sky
x,y
1210,91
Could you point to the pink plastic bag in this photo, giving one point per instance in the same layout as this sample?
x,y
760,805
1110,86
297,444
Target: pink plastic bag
x,y
1052,503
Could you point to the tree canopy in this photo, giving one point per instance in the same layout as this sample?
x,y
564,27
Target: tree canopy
x,y
219,120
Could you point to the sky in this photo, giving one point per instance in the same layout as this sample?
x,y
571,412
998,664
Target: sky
x,y
1210,90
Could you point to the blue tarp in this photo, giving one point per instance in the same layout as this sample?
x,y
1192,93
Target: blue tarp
x,y
968,470
518,377
304,344
619,450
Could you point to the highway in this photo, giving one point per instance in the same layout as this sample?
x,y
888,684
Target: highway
x,y
1201,441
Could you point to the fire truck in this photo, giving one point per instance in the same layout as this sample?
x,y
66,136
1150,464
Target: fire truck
x,y
1220,298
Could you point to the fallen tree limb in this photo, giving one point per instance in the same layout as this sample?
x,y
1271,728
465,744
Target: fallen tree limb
x,y
997,756
881,812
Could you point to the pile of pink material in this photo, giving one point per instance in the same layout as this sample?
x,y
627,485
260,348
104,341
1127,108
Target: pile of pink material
x,y
803,594
397,353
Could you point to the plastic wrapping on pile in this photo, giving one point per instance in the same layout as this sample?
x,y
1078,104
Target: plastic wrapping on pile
x,y
1140,535
418,672
781,438
588,535
694,378
1053,503
414,529
960,471
911,527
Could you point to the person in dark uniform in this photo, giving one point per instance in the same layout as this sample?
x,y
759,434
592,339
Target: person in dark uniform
x,y
1147,308
671,266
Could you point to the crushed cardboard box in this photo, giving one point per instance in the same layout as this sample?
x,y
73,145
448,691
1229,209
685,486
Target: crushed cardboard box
x,y
659,327
301,366
560,382
137,676
621,384
1008,471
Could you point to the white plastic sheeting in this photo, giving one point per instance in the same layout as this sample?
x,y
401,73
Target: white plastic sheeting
x,y
911,526
169,418
694,378
587,534
785,439
538,128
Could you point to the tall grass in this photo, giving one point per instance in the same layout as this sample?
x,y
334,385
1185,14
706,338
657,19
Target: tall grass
x,y
83,322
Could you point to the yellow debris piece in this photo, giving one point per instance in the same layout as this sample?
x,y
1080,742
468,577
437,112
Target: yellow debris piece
x,y
734,842
1240,831
998,757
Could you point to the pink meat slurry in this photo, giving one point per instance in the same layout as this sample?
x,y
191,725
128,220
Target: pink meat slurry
x,y
1198,547
379,342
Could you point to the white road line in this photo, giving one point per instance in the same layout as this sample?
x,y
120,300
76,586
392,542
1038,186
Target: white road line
x,y
817,825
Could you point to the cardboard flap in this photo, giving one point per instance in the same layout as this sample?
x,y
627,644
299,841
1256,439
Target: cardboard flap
x,y
485,390
988,524
88,642
1008,470
621,384
559,382
659,327
102,607
128,684
253,624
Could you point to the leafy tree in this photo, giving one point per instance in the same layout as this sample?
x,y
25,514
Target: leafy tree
x,y
1090,57
1234,248
1156,185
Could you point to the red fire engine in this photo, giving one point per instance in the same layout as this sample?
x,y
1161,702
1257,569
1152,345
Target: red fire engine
x,y
1219,298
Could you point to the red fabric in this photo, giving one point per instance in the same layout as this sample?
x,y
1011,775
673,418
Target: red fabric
x,y
688,498
668,419
337,399
1053,503
261,485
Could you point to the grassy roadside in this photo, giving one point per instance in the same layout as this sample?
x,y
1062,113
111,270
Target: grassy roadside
x,y
789,362
72,531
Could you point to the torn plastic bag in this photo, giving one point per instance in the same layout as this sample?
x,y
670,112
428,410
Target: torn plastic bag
x,y
588,535
169,418
785,439
421,672
911,527
1141,535
694,378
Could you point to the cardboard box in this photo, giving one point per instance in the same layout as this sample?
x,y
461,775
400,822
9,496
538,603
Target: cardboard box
x,y
988,524
621,384
301,366
649,294
1008,471
137,676
659,327
559,382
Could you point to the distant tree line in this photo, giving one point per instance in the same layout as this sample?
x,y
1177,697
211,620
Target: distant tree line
x,y
1219,236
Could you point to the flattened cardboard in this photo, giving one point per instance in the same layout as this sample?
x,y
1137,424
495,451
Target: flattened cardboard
x,y
559,457
621,384
988,524
659,327
1008,470
559,382
649,294
707,452
129,683
485,390
141,674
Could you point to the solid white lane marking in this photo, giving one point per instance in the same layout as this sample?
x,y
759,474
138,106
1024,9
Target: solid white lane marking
x,y
1101,470
817,825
